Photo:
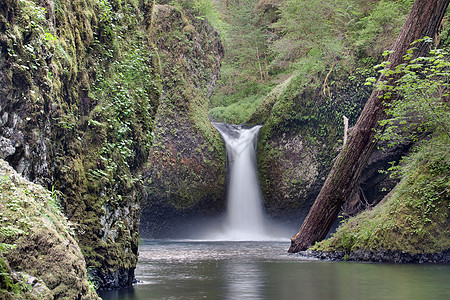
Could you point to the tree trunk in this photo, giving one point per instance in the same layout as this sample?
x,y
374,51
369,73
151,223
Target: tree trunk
x,y
423,20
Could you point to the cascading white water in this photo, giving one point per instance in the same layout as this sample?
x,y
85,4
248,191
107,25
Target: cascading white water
x,y
245,216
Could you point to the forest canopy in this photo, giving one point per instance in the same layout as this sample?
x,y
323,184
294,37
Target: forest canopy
x,y
268,41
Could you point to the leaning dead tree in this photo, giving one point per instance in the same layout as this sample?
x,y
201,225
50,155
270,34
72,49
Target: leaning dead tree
x,y
424,20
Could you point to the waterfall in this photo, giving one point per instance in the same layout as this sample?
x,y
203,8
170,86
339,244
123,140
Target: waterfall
x,y
245,218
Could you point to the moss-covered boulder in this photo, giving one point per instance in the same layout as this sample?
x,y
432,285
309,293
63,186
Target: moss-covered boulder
x,y
39,255
302,133
78,93
411,224
186,171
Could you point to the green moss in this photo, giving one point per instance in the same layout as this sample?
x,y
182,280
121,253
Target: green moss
x,y
264,109
413,218
36,240
83,82
187,158
302,132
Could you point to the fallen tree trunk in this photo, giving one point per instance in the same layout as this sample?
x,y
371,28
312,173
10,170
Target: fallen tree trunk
x,y
424,20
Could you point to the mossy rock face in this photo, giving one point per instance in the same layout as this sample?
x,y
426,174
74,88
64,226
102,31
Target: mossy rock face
x,y
40,257
302,133
186,169
79,90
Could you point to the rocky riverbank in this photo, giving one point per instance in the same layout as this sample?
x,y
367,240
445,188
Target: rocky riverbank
x,y
384,256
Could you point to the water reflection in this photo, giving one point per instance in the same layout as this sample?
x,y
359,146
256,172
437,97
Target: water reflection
x,y
243,280
240,270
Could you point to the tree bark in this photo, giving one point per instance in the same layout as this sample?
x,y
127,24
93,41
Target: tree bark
x,y
424,20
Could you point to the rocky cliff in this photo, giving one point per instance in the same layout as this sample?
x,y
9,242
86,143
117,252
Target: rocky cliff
x,y
186,171
78,94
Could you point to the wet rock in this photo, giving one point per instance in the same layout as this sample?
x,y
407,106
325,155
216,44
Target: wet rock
x,y
6,147
384,256
115,280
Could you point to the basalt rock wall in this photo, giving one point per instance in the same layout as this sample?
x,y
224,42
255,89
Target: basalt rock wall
x,y
79,89
186,171
302,134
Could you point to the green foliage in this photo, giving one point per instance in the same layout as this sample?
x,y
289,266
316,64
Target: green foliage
x,y
313,29
264,109
377,31
335,32
6,281
125,93
247,53
414,218
315,39
202,10
205,9
238,107
93,280
429,191
418,101
236,113
8,232
244,72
